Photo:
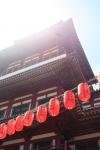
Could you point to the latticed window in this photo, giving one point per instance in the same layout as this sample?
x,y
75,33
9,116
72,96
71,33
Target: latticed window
x,y
43,101
2,114
31,60
20,109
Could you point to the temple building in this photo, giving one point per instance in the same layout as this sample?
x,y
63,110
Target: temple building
x,y
38,68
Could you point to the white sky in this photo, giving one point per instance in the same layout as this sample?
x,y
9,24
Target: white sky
x,y
19,18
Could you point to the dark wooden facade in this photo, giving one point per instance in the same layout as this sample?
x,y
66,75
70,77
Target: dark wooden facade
x,y
40,67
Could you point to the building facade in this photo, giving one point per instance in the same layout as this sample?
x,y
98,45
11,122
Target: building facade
x,y
38,68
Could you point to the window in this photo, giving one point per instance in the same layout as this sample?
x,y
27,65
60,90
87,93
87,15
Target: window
x,y
86,105
50,53
14,67
43,101
31,60
27,61
10,69
35,59
97,102
3,113
45,95
17,67
20,109
53,54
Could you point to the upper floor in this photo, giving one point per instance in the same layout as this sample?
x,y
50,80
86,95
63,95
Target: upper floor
x,y
35,60
53,57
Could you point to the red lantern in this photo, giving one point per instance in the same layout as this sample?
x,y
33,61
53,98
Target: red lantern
x,y
69,100
54,107
84,93
28,118
11,127
3,131
19,123
41,114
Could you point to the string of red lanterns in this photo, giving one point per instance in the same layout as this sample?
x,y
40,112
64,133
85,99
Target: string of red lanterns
x,y
17,125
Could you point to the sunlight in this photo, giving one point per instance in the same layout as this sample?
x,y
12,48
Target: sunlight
x,y
20,18
5,44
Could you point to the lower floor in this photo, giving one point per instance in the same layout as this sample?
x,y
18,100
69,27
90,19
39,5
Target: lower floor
x,y
47,146
51,141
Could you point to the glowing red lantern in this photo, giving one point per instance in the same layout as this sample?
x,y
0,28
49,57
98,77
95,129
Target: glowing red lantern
x,y
19,123
84,93
41,114
3,131
54,107
69,100
11,127
28,118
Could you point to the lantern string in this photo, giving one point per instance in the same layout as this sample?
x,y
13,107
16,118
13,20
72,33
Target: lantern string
x,y
90,82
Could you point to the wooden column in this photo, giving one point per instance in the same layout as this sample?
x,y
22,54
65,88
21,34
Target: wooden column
x,y
27,145
9,108
33,103
27,137
98,144
65,145
58,143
